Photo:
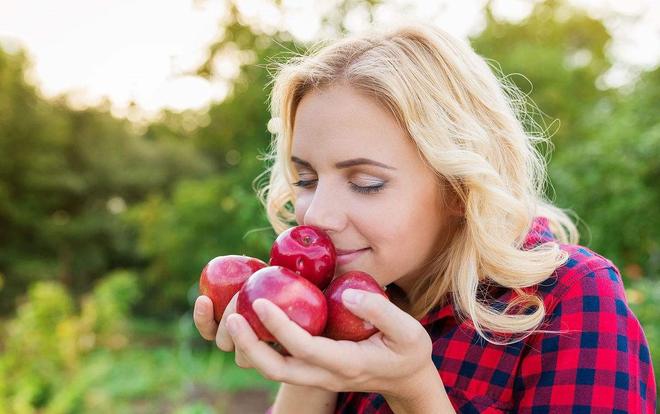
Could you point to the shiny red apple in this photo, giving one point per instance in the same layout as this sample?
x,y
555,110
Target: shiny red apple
x,y
299,298
308,251
223,276
342,323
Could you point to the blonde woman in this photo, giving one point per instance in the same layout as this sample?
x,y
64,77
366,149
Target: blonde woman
x,y
405,148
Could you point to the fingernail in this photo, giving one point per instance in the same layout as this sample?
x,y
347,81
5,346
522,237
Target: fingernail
x,y
260,309
232,326
352,296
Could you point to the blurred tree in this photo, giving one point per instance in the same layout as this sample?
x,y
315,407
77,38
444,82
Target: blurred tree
x,y
65,176
203,219
48,341
555,55
605,164
220,215
237,132
82,195
611,178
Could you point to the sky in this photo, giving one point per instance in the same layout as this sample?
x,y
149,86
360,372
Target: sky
x,y
142,50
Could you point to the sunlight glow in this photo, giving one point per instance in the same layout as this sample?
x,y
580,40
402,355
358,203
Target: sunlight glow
x,y
143,51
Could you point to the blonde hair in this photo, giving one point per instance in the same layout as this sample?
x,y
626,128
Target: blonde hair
x,y
465,125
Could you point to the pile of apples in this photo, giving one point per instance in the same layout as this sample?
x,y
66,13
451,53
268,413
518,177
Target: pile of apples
x,y
298,278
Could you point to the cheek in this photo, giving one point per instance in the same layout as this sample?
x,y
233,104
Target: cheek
x,y
404,234
384,227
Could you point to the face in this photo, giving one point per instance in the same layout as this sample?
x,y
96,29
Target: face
x,y
390,207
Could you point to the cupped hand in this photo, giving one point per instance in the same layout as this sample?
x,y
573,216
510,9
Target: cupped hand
x,y
388,362
210,330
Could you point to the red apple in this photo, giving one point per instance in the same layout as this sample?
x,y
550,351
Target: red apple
x,y
308,251
342,323
299,298
223,276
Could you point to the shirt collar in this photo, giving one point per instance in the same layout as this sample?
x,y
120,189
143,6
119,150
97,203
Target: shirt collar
x,y
538,234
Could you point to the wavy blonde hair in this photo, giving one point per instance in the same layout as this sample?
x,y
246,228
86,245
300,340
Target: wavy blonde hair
x,y
466,126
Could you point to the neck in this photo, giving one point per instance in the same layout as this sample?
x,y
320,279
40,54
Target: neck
x,y
398,296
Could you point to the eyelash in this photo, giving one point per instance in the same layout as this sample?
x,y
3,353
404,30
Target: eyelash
x,y
356,188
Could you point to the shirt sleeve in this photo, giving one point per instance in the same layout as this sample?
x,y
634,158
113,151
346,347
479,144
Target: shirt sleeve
x,y
600,363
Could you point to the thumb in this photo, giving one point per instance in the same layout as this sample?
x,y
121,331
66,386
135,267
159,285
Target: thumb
x,y
397,325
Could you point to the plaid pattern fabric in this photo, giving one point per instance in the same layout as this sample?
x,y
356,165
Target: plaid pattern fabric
x,y
600,363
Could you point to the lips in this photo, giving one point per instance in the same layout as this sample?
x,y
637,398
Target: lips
x,y
343,252
348,256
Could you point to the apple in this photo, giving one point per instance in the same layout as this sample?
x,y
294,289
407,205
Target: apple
x,y
342,323
222,278
308,251
299,298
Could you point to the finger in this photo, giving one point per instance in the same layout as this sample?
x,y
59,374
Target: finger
x,y
315,350
203,317
241,359
222,339
396,325
274,366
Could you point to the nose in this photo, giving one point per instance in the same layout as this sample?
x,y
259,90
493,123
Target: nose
x,y
325,209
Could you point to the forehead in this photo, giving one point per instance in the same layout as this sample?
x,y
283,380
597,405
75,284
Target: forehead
x,y
339,122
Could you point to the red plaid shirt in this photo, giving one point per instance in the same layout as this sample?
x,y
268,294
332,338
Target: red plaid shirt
x,y
601,364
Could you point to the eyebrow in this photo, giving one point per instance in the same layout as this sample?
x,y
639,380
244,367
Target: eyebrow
x,y
347,163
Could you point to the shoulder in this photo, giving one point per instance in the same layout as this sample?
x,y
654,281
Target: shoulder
x,y
585,274
586,307
590,340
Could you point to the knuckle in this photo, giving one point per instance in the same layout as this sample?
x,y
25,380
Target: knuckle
x,y
334,387
241,361
273,375
206,332
300,352
224,343
422,340
355,370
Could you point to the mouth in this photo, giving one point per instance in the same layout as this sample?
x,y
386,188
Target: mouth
x,y
344,252
347,256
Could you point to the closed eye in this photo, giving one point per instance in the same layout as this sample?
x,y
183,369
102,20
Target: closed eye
x,y
354,187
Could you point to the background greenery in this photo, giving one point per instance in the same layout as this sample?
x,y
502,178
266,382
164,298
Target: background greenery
x,y
105,226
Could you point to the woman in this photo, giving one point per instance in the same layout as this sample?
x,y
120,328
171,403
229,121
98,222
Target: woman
x,y
404,147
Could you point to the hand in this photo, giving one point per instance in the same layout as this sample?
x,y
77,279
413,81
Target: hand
x,y
390,362
210,329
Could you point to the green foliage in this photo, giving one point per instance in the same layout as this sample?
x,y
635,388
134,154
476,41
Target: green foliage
x,y
107,310
38,348
99,220
605,166
64,177
612,178
48,341
556,56
57,359
203,219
